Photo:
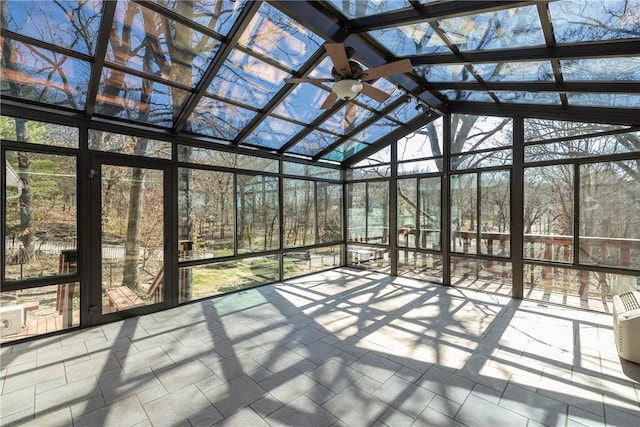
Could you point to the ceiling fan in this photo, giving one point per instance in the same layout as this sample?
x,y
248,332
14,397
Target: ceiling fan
x,y
350,78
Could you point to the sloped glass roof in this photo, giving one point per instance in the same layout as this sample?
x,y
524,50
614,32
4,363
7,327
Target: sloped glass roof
x,y
217,68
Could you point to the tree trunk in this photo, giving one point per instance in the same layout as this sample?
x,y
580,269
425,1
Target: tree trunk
x,y
27,225
27,231
132,244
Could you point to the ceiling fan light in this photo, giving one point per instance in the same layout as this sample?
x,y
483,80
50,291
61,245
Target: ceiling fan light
x,y
347,89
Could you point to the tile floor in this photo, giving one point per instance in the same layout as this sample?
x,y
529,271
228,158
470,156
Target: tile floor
x,y
340,348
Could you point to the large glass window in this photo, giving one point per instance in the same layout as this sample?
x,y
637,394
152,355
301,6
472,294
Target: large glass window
x,y
495,213
298,213
480,141
430,212
548,213
329,212
225,159
475,133
480,203
33,132
378,212
607,199
41,310
297,263
368,212
356,212
226,276
464,205
132,237
40,213
126,144
373,258
407,212
482,275
375,166
575,288
421,151
609,220
257,224
205,214
419,223
420,265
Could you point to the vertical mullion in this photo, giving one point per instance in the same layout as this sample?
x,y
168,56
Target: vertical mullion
x,y
445,200
3,213
393,211
478,215
83,224
235,214
281,221
171,279
418,213
345,207
517,209
366,212
316,234
576,214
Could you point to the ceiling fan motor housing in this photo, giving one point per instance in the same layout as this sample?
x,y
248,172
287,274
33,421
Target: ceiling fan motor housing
x,y
355,69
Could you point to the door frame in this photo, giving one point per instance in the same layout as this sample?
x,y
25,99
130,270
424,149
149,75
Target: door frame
x,y
94,286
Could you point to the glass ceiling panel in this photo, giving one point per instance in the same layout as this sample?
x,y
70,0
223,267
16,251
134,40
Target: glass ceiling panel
x,y
500,29
313,143
182,55
345,150
163,49
467,95
218,119
404,112
589,20
247,79
413,39
385,86
614,100
444,73
303,103
272,133
529,97
70,24
359,8
219,15
346,119
516,71
131,97
279,37
323,69
376,131
622,68
40,75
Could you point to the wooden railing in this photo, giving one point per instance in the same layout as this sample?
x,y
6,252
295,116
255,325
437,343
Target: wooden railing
x,y
548,247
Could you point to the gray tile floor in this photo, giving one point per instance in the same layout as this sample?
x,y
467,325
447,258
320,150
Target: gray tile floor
x,y
340,348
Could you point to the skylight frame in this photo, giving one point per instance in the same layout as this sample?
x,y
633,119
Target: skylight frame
x,y
487,89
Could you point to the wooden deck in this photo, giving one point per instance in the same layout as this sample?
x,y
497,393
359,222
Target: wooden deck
x,y
42,325
123,298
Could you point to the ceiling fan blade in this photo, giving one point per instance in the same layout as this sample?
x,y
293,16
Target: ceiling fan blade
x,y
306,80
397,67
329,101
374,93
339,57
350,116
